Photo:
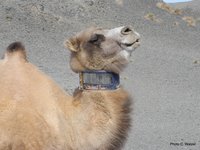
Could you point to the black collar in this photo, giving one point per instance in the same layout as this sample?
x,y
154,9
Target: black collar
x,y
99,80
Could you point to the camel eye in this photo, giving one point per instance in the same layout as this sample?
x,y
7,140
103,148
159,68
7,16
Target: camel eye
x,y
96,39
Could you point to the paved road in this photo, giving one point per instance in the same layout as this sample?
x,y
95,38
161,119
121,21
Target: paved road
x,y
163,77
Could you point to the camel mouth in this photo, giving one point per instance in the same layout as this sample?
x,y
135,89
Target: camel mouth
x,y
133,45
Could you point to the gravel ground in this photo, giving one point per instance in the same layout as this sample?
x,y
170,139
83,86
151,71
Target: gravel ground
x,y
164,73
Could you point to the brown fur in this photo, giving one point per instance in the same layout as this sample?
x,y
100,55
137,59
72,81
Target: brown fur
x,y
100,54
36,114
16,48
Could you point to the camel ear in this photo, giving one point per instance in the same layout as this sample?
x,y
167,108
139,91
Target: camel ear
x,y
72,44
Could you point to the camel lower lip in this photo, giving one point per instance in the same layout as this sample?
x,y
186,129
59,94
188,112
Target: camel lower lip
x,y
128,44
131,44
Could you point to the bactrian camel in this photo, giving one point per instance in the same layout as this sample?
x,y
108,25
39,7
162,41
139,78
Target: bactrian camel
x,y
36,114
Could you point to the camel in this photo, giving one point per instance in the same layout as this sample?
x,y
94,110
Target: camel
x,y
36,114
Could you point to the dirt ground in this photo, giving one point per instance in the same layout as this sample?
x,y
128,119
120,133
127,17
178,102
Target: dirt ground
x,y
163,75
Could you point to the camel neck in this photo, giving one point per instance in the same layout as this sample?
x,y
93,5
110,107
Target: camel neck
x,y
99,80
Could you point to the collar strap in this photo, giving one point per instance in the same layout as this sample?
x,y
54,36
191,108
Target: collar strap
x,y
99,80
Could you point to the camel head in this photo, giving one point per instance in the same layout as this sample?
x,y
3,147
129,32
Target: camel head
x,y
102,49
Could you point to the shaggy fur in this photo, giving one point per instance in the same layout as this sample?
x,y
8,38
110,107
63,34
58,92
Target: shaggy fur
x,y
36,114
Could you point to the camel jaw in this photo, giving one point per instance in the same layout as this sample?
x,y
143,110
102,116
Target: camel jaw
x,y
98,80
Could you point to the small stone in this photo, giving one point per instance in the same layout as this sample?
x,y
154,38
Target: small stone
x,y
176,24
125,78
196,62
9,18
152,17
189,20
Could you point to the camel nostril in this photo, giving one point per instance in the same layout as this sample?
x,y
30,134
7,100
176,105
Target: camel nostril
x,y
126,30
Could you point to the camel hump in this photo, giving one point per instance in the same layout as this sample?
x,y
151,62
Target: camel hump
x,y
16,48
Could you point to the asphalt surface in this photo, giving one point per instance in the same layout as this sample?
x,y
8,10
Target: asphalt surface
x,y
163,75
